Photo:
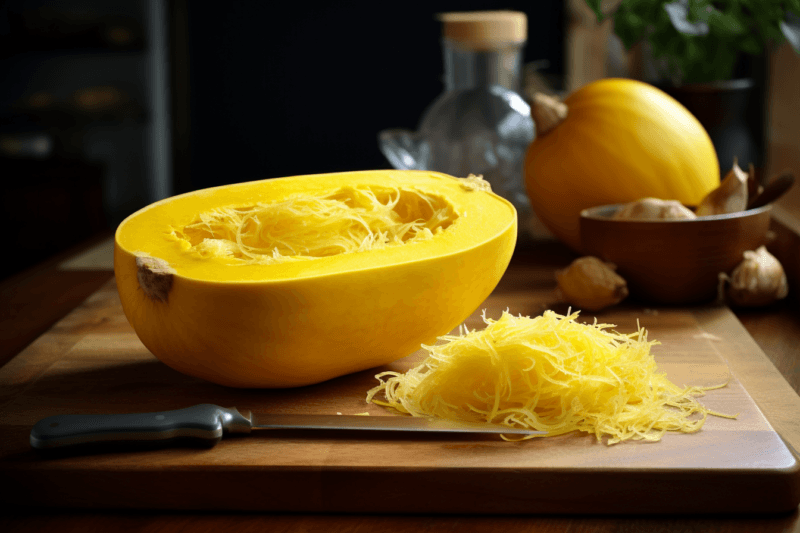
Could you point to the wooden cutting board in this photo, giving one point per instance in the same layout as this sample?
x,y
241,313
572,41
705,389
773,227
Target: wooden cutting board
x,y
92,362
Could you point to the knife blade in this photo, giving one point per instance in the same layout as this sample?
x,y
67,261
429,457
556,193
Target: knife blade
x,y
205,424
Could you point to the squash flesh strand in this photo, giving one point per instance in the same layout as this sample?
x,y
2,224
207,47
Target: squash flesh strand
x,y
306,227
549,373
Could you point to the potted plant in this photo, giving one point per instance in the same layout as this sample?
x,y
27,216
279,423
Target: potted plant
x,y
700,51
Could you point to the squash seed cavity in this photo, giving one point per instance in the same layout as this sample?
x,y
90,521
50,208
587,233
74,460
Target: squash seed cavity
x,y
306,227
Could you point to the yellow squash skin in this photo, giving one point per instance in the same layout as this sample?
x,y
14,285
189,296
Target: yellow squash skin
x,y
621,141
298,323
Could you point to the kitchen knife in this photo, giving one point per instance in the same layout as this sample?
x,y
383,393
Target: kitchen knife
x,y
205,424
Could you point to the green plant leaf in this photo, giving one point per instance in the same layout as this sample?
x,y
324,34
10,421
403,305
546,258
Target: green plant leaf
x,y
707,59
678,12
596,7
773,32
630,28
750,45
694,52
700,40
638,6
725,24
699,10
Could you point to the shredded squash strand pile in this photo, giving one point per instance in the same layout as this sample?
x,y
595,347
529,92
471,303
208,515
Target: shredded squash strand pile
x,y
307,227
548,373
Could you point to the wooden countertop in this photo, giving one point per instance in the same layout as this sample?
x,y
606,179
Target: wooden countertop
x,y
34,301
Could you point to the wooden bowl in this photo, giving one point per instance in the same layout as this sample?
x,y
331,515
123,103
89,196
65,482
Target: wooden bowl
x,y
673,261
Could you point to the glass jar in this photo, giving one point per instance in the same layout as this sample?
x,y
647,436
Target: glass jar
x,y
479,124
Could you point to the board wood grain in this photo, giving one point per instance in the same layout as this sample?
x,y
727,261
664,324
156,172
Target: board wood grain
x,y
92,362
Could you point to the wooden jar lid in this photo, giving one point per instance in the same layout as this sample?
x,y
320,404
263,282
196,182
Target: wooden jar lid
x,y
484,30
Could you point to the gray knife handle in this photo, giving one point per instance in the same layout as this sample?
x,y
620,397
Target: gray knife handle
x,y
204,424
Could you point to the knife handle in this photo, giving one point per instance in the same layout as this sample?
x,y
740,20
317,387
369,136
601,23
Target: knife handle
x,y
200,424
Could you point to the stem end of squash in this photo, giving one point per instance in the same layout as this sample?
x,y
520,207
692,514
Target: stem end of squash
x,y
155,277
548,112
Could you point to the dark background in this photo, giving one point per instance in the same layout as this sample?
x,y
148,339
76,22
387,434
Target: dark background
x,y
207,93
306,87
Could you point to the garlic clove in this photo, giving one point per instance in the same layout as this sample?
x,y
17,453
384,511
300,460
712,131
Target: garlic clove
x,y
591,284
654,209
758,280
729,197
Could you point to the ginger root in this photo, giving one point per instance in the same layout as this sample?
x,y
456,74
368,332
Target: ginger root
x,y
654,209
758,280
731,196
591,284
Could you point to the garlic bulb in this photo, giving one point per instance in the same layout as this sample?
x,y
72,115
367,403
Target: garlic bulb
x,y
729,197
589,283
654,209
758,280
